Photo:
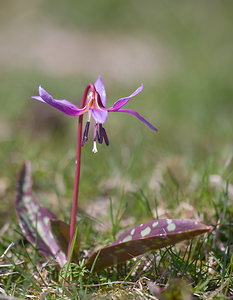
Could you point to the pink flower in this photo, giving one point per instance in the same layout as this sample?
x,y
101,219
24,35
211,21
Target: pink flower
x,y
95,107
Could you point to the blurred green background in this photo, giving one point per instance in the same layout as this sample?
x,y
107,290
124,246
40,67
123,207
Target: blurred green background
x,y
180,50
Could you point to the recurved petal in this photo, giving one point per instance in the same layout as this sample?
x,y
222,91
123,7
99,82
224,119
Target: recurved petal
x,y
99,85
62,105
100,116
133,112
123,101
37,98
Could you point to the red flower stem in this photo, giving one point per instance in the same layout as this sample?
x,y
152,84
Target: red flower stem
x,y
77,168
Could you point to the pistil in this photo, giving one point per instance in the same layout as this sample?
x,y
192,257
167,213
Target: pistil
x,y
94,150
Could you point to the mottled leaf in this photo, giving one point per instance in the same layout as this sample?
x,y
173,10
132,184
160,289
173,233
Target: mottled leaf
x,y
61,232
34,218
145,237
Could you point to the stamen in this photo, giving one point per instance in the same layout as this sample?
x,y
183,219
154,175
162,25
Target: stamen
x,y
95,131
105,136
100,134
85,133
94,150
88,116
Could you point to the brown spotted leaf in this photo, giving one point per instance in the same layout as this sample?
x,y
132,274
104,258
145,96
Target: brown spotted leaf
x,y
143,238
34,218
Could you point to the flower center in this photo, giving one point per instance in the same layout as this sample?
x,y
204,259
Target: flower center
x,y
94,103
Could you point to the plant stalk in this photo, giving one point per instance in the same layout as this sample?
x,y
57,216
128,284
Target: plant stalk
x,y
77,168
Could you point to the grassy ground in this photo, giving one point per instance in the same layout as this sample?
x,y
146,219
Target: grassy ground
x,y
183,171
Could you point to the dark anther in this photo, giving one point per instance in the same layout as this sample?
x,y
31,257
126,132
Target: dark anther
x,y
105,136
85,134
100,134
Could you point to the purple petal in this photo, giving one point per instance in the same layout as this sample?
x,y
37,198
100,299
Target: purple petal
x,y
100,116
38,98
133,112
62,105
123,101
99,85
64,102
